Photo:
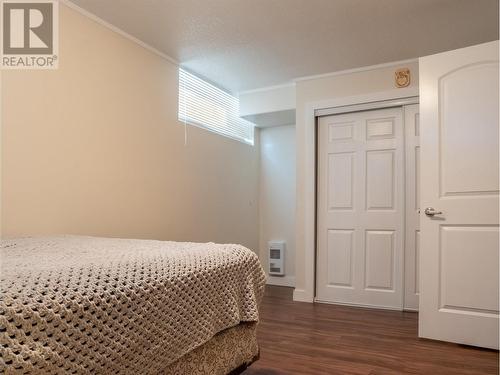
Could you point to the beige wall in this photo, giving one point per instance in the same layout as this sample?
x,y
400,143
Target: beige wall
x,y
322,89
277,197
95,148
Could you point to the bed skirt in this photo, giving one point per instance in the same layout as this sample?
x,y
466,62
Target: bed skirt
x,y
229,352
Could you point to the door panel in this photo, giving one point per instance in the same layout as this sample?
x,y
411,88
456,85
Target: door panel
x,y
340,168
340,259
380,180
464,251
470,85
459,177
360,208
379,259
412,225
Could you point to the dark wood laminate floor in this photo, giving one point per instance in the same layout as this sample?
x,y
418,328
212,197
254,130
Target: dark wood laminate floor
x,y
302,338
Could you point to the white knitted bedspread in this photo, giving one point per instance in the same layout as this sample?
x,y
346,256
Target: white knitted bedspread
x,y
88,305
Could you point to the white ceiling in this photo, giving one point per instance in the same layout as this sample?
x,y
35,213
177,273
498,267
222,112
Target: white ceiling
x,y
247,44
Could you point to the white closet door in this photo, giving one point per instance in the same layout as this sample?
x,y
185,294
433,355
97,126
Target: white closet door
x,y
459,105
360,208
412,224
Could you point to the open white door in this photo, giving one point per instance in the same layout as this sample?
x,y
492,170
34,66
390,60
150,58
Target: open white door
x,y
459,106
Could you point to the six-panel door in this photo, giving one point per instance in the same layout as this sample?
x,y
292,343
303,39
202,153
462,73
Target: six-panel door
x,y
361,208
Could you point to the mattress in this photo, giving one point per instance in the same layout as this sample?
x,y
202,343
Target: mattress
x,y
73,304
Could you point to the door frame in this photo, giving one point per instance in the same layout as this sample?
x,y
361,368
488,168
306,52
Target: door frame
x,y
376,100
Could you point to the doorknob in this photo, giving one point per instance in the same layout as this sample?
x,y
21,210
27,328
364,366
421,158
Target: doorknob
x,y
429,211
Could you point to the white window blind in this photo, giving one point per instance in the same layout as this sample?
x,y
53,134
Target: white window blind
x,y
204,105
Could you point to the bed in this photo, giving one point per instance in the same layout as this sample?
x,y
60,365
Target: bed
x,y
87,305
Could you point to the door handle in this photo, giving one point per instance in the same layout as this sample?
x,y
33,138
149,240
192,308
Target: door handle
x,y
430,211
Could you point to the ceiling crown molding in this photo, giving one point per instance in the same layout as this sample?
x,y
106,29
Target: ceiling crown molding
x,y
357,70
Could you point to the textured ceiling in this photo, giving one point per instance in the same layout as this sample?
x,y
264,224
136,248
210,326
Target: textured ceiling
x,y
247,44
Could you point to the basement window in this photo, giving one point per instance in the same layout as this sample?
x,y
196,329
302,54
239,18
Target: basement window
x,y
206,106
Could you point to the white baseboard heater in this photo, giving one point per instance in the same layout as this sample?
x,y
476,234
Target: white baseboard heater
x,y
276,258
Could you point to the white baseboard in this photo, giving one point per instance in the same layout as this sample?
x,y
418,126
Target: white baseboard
x,y
360,305
300,295
281,281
